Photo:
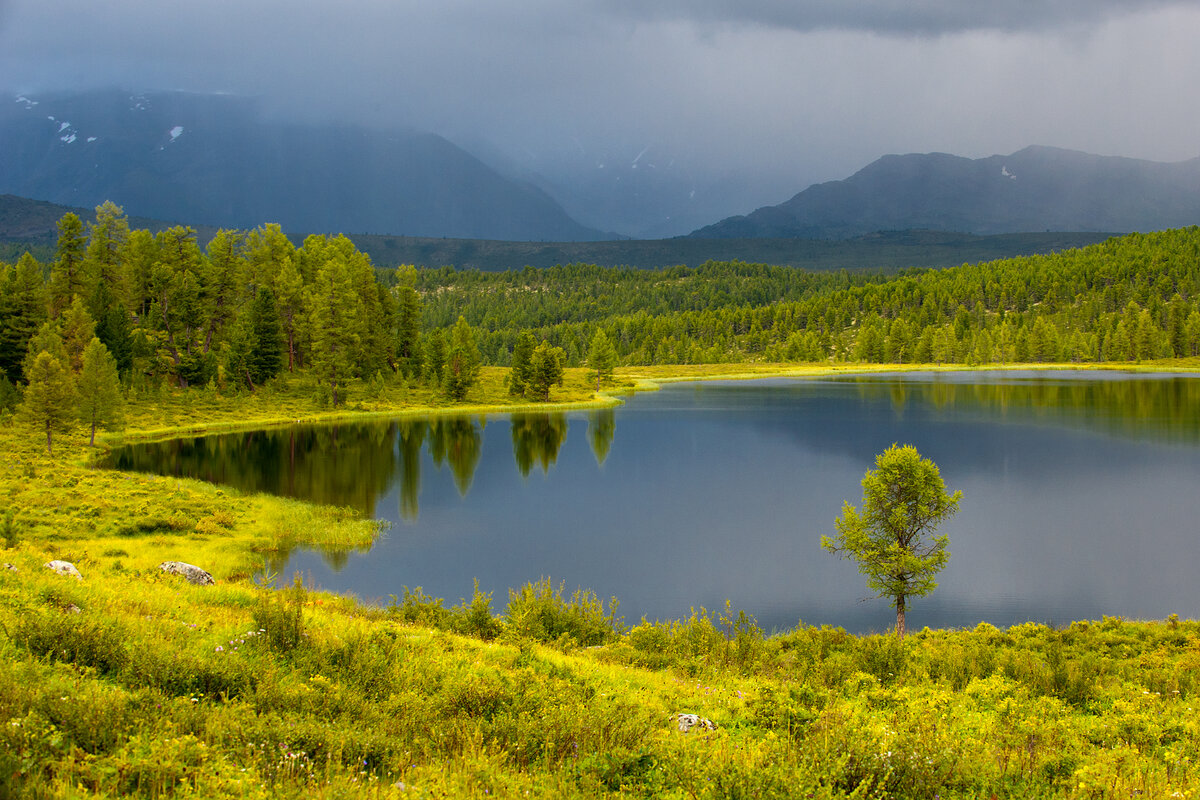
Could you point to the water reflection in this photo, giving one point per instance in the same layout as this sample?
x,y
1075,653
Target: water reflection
x,y
536,439
1164,407
357,465
602,426
1079,496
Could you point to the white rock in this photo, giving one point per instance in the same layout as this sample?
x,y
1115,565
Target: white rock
x,y
193,573
64,568
689,721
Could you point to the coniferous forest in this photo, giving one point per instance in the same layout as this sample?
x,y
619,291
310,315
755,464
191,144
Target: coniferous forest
x,y
252,304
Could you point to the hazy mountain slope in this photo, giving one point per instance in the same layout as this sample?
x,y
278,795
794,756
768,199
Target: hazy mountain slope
x,y
1035,189
213,159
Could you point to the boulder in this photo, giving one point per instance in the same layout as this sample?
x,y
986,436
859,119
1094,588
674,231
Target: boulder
x,y
64,568
689,721
193,573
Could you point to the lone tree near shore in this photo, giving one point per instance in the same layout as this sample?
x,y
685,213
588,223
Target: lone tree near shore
x,y
892,539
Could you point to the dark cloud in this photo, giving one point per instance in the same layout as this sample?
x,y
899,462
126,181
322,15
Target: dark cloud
x,y
761,97
891,17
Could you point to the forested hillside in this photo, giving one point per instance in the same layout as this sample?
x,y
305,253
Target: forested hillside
x,y
252,304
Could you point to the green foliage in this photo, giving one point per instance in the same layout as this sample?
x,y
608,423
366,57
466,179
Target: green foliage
x,y
892,539
545,370
539,611
99,389
602,357
462,361
49,403
10,530
278,615
521,367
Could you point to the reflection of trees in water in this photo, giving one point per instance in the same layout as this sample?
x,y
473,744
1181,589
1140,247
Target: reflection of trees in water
x,y
355,465
536,438
602,425
458,441
412,437
335,465
1164,407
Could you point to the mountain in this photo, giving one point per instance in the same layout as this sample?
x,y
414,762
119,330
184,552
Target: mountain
x,y
1035,189
216,160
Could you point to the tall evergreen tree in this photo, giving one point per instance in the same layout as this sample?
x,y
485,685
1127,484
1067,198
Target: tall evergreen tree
x,y
78,328
66,274
22,312
520,371
335,322
99,388
462,360
602,357
408,322
545,370
49,403
266,358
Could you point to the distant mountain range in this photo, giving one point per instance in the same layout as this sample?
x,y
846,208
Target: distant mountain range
x,y
1035,189
215,160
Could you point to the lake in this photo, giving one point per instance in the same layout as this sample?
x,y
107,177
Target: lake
x,y
1080,496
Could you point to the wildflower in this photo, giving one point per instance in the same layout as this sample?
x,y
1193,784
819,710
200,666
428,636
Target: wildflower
x,y
219,649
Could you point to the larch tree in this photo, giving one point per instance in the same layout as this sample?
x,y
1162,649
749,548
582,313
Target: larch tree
x,y
462,360
334,321
602,357
545,370
892,538
520,366
99,389
49,403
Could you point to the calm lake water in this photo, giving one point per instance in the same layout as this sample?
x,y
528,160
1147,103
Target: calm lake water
x,y
1081,496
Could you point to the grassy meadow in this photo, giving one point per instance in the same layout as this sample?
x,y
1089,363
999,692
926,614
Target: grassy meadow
x,y
131,682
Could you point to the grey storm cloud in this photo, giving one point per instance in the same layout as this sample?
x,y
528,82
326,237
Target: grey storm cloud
x,y
894,17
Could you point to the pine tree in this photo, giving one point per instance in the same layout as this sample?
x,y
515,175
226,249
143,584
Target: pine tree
x,y
520,368
462,360
266,357
66,275
49,403
99,388
22,311
78,329
408,322
602,357
545,370
334,320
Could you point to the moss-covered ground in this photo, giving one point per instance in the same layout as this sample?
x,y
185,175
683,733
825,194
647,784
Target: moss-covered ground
x,y
131,682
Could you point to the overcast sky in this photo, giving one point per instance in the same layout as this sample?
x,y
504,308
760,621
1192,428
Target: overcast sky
x,y
799,90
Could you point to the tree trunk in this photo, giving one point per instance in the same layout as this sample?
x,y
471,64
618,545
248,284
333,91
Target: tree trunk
x,y
49,448
900,624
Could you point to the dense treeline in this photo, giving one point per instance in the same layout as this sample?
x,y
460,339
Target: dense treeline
x,y
1126,299
252,304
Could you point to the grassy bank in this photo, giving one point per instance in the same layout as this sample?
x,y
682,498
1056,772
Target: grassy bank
x,y
131,682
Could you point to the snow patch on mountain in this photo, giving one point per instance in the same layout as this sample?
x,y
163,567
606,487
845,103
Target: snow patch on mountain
x,y
1004,171
176,132
28,103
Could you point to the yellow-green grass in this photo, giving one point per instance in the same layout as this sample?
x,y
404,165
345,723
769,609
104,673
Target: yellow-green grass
x,y
131,682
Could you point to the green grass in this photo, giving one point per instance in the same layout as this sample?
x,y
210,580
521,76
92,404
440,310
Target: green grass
x,y
134,683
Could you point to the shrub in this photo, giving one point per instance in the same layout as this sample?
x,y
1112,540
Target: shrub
x,y
539,611
279,616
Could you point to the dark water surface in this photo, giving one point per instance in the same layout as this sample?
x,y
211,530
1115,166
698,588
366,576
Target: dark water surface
x,y
1081,496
